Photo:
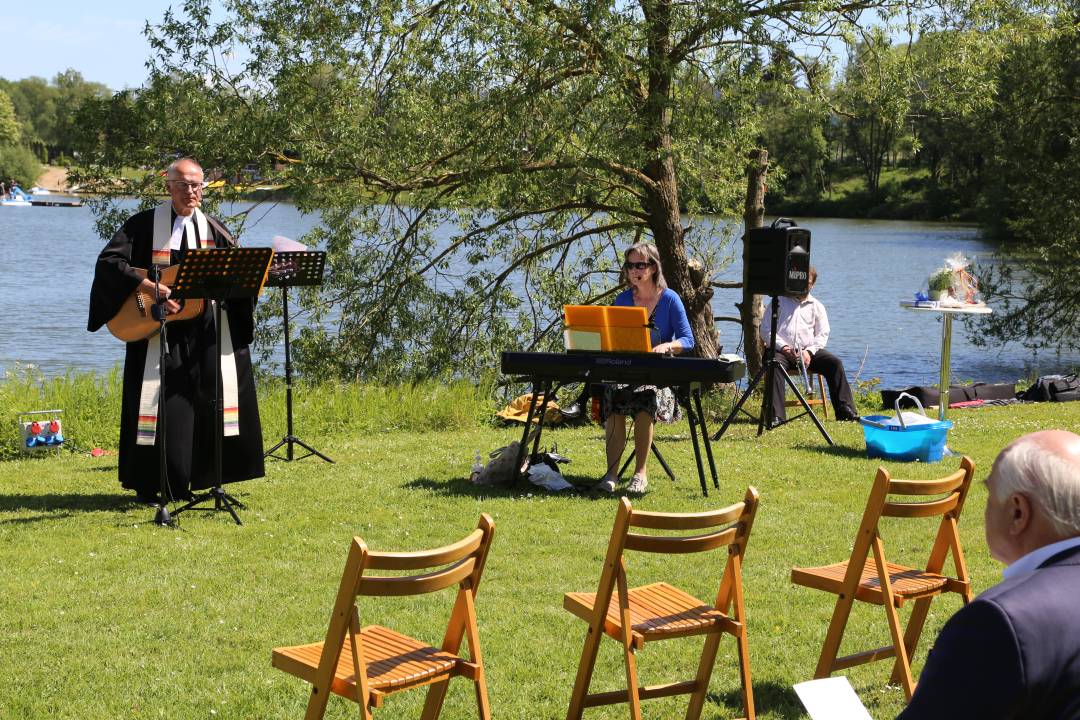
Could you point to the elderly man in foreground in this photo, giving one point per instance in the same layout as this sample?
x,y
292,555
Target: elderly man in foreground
x,y
1014,652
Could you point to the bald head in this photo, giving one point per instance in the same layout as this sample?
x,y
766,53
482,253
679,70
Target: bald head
x,y
1045,466
182,166
184,178
1034,494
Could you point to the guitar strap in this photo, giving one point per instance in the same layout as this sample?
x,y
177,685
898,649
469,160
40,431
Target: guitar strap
x,y
150,392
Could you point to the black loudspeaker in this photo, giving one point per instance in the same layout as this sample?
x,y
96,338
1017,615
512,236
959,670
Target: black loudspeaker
x,y
778,261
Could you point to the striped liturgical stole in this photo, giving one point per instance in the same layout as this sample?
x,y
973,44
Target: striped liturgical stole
x,y
150,393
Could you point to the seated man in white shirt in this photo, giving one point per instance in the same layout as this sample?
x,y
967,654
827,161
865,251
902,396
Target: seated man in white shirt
x,y
803,329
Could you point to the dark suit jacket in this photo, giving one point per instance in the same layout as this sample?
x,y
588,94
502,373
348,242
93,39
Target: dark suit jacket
x,y
1014,652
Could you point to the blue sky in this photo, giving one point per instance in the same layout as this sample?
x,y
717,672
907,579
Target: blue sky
x,y
103,40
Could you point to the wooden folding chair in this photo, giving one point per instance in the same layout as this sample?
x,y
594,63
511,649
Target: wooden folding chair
x,y
367,664
660,611
878,581
813,397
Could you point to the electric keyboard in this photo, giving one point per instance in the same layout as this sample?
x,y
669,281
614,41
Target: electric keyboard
x,y
622,367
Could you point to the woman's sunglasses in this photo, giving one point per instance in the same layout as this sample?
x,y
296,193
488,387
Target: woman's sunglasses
x,y
637,265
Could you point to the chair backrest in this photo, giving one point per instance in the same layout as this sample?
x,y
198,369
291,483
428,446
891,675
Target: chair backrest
x,y
884,502
727,527
461,563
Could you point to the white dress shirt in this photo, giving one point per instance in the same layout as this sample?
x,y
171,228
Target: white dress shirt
x,y
801,324
180,225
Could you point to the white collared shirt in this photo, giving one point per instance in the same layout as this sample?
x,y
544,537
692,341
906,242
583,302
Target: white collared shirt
x,y
1031,562
180,224
801,324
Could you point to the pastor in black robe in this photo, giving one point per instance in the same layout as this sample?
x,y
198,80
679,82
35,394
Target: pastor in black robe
x,y
190,375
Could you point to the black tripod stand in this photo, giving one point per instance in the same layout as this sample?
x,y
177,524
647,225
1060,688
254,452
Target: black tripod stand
x,y
218,275
768,368
304,267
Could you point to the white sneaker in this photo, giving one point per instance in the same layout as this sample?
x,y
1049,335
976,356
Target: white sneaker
x,y
638,485
606,485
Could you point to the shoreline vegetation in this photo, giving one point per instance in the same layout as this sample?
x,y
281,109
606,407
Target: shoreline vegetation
x,y
904,195
90,402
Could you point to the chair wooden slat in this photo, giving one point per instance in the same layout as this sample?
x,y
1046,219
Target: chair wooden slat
x,y
868,576
417,584
947,484
931,508
426,558
661,611
367,664
687,521
680,545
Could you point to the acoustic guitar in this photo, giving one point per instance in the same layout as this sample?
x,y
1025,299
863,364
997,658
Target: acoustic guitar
x,y
135,322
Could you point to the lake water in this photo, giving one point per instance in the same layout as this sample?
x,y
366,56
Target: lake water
x,y
866,267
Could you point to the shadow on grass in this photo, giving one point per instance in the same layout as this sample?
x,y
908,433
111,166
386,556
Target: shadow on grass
x,y
837,450
63,505
582,489
769,696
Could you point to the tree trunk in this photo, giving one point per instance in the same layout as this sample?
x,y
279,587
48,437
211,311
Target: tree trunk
x,y
662,201
669,235
752,307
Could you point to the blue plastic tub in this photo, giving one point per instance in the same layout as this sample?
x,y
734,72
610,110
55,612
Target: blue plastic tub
x,y
925,442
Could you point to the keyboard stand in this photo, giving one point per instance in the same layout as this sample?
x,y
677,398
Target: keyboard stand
x,y
688,396
659,458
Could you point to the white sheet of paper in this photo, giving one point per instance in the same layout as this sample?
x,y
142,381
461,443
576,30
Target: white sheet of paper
x,y
831,698
280,243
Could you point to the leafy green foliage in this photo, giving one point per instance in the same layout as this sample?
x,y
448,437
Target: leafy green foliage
x,y
875,99
9,126
1031,201
20,164
47,110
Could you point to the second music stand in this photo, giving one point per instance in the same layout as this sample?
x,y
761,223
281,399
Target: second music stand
x,y
288,269
220,274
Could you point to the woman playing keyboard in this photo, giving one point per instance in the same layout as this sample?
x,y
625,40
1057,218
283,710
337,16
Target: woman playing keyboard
x,y
670,333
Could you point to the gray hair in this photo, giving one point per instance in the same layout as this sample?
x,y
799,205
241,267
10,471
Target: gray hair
x,y
1046,478
649,251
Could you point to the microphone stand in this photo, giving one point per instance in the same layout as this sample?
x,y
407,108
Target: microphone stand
x,y
158,311
805,375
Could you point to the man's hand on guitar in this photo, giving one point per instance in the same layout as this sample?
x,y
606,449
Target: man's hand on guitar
x,y
149,287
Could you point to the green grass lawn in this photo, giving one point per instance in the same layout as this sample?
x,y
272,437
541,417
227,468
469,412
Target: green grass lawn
x,y
104,615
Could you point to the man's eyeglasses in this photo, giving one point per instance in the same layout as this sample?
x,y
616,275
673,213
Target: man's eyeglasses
x,y
189,186
637,265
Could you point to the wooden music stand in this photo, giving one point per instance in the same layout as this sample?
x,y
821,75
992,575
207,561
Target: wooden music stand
x,y
220,274
288,269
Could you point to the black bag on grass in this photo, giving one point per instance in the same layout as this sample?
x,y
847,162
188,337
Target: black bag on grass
x,y
1052,388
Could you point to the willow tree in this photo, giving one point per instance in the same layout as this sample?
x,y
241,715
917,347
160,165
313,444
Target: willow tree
x,y
476,164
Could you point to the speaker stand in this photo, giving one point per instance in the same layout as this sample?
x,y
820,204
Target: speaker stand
x,y
767,370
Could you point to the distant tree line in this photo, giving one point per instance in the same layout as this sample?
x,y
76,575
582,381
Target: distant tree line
x,y
985,124
944,110
38,122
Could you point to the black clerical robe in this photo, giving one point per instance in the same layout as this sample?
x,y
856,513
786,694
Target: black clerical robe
x,y
190,376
